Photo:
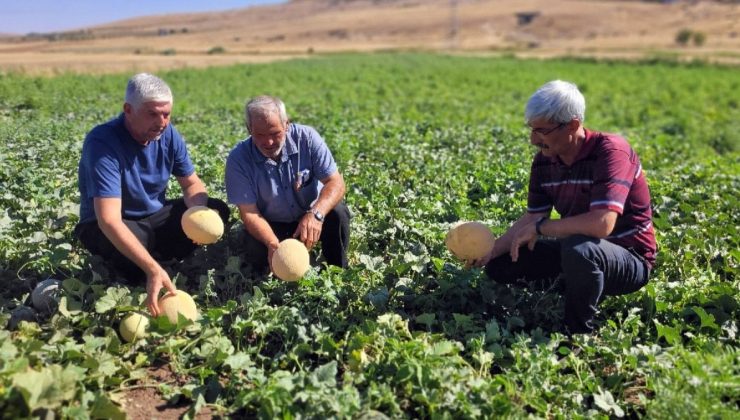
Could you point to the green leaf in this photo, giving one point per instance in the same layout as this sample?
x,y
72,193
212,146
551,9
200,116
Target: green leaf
x,y
113,297
605,401
50,387
671,335
326,375
104,408
427,319
239,361
707,319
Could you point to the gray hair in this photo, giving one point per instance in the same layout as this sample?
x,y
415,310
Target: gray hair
x,y
556,101
145,87
264,106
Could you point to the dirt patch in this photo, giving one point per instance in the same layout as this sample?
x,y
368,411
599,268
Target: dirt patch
x,y
144,401
632,393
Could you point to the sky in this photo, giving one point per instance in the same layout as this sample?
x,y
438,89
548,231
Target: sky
x,y
24,16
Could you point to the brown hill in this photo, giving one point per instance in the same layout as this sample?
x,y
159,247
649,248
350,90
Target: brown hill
x,y
303,27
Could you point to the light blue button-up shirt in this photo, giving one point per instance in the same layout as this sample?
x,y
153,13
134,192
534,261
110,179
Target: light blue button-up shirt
x,y
251,178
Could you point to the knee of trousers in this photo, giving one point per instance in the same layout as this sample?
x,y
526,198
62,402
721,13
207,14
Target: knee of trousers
x,y
578,252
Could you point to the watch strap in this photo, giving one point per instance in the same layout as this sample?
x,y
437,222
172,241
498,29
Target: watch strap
x,y
538,224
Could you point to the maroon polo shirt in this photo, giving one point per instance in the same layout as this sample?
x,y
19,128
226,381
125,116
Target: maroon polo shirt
x,y
605,175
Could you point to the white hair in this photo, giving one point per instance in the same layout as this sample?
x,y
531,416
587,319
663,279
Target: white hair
x,y
556,101
264,106
145,87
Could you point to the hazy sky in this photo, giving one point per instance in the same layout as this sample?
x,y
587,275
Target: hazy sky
x,y
23,16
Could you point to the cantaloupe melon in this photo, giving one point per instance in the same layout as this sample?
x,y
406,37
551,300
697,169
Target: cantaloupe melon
x,y
290,260
45,297
133,326
469,240
202,225
181,302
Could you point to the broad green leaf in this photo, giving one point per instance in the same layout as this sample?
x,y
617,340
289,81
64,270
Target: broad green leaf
x,y
50,387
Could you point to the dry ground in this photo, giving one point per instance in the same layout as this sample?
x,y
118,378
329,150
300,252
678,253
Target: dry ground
x,y
599,28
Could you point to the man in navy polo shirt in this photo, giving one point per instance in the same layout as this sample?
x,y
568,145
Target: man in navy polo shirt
x,y
123,173
603,243
285,183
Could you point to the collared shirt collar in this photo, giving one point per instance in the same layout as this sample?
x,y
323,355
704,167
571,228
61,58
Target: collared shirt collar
x,y
587,146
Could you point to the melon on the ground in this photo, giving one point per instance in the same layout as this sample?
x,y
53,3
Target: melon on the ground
x,y
290,260
470,240
21,313
181,302
134,326
202,225
45,297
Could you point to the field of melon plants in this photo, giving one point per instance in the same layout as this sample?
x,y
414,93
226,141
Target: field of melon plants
x,y
423,141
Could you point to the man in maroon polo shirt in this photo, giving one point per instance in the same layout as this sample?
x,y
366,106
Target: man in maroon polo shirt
x,y
603,243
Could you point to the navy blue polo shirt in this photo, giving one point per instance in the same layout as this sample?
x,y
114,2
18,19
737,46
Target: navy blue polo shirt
x,y
115,165
251,178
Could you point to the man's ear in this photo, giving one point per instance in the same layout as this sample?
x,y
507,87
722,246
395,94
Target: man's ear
x,y
574,124
127,108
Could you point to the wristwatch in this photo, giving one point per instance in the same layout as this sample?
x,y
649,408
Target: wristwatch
x,y
538,224
317,215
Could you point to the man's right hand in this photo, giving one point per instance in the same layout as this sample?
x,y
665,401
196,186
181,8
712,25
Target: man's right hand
x,y
480,262
155,281
271,248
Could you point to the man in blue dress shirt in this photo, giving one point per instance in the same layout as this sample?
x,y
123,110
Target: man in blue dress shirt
x,y
124,170
285,183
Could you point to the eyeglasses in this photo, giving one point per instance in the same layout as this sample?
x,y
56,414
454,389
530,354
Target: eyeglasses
x,y
546,131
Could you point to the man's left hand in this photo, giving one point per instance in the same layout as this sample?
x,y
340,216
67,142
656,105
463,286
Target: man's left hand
x,y
526,235
308,230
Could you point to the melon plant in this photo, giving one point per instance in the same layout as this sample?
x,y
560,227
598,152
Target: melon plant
x,y
202,225
134,326
469,240
179,303
45,297
290,260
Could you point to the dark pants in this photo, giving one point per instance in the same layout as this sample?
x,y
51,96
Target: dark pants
x,y
334,239
161,234
588,266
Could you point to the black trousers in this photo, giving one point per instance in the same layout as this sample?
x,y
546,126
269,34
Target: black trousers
x,y
334,239
161,234
590,268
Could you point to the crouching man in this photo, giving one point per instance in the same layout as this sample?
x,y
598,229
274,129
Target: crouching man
x,y
603,243
124,169
285,183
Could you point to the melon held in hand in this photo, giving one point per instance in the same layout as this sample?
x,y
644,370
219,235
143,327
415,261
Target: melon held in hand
x,y
470,240
290,260
179,303
202,225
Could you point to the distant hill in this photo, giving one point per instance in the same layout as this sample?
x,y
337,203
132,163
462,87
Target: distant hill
x,y
302,27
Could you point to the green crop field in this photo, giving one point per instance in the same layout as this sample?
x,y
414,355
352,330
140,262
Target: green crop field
x,y
423,141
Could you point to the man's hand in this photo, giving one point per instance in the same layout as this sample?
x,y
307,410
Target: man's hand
x,y
271,248
480,262
526,235
155,281
308,230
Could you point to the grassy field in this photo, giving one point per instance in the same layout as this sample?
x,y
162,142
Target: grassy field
x,y
423,141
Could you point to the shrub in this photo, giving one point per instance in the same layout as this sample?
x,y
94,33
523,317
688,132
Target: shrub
x,y
683,36
217,50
